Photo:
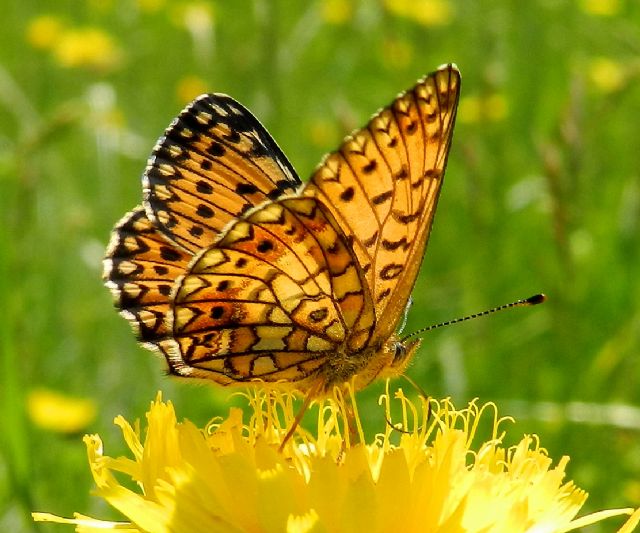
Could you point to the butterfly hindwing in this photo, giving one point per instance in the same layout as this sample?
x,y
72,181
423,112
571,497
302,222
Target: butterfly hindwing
x,y
274,299
140,269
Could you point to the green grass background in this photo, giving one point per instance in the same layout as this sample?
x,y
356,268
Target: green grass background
x,y
542,194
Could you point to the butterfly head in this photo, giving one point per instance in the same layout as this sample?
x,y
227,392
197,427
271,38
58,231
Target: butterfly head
x,y
403,353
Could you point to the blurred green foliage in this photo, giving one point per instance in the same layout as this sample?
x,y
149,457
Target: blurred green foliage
x,y
542,194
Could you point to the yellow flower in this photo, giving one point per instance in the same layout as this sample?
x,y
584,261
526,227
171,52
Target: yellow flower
x,y
337,11
425,12
606,75
53,411
231,476
604,8
492,108
44,31
189,87
87,47
74,47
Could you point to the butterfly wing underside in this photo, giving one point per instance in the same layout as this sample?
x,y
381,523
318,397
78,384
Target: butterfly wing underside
x,y
214,162
272,301
140,268
382,187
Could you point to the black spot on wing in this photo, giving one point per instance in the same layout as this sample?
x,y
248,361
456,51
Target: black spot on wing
x,y
391,271
204,211
265,246
347,194
169,254
244,189
216,149
318,315
370,166
382,198
204,187
217,311
394,245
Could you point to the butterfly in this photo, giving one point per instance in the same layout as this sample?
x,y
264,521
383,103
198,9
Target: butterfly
x,y
238,273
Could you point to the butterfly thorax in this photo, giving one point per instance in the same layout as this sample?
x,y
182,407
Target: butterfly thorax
x,y
383,360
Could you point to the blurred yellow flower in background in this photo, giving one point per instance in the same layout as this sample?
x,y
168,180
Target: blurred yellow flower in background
x,y
424,12
60,413
601,7
492,108
189,87
231,476
607,75
44,31
337,11
87,47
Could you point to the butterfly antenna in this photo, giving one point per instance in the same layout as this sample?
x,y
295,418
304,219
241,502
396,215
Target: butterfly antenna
x,y
405,315
532,300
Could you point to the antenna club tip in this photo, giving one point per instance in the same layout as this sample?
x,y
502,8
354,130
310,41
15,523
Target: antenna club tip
x,y
536,299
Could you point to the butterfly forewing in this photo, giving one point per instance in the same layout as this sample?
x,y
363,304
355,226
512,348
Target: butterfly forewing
x,y
214,163
382,186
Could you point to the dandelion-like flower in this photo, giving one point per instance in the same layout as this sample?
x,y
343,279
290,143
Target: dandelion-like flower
x,y
606,75
424,474
87,47
425,12
54,411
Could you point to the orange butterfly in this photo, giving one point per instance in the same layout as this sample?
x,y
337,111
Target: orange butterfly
x,y
239,273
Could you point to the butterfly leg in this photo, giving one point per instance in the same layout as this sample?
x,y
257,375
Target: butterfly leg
x,y
311,394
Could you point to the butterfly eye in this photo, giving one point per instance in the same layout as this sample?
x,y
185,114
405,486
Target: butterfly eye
x,y
403,353
400,352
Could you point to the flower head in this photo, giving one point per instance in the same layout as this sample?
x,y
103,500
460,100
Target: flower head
x,y
54,411
425,12
425,474
89,47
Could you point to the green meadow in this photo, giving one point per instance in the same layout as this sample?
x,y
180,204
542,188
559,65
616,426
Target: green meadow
x,y
542,194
